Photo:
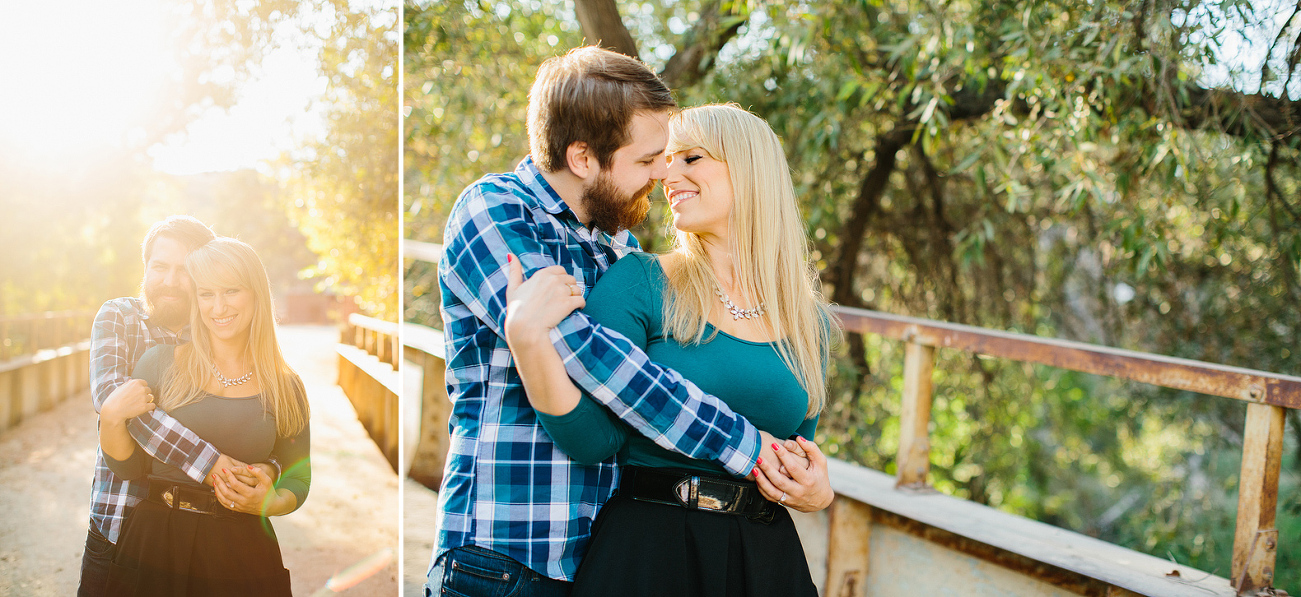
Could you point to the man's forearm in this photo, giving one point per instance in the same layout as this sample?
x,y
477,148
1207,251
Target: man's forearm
x,y
166,439
657,401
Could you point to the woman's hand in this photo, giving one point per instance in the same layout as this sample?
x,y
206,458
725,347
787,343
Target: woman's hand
x,y
535,306
803,485
248,490
128,401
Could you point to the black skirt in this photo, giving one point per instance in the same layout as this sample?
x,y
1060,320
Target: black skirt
x,y
173,552
650,549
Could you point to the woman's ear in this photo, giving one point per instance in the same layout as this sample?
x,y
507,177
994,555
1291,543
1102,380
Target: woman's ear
x,y
579,160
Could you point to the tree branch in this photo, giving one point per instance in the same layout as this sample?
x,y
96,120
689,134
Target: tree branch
x,y
602,26
700,45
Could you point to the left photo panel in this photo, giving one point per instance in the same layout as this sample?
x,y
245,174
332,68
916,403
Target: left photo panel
x,y
198,273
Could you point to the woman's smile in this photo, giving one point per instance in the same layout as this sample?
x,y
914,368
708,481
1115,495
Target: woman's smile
x,y
677,196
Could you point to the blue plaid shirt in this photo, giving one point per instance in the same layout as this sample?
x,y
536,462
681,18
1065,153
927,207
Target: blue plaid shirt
x,y
121,334
506,486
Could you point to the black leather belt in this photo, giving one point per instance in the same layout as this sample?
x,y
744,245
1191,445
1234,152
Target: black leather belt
x,y
187,498
691,489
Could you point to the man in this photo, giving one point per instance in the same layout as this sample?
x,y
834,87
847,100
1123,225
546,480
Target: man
x,y
514,511
124,329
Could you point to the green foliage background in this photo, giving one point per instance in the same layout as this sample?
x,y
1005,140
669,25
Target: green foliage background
x,y
1044,158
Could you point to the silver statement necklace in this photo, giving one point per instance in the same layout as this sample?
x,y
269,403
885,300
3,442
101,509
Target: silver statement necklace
x,y
227,382
737,312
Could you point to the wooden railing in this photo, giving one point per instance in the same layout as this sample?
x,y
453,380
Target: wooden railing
x,y
913,540
429,442
422,345
368,353
1267,395
44,359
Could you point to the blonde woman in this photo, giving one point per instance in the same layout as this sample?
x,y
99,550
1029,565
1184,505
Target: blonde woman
x,y
232,387
735,308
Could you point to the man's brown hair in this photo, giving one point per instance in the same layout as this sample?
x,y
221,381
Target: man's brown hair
x,y
183,229
589,95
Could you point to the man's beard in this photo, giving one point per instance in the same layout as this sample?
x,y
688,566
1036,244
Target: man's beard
x,y
611,211
171,314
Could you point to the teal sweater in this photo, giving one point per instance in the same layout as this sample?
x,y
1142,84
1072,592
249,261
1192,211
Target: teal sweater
x,y
749,376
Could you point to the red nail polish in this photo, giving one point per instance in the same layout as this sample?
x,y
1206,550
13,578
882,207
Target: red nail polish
x,y
801,438
225,471
758,461
776,448
755,472
510,258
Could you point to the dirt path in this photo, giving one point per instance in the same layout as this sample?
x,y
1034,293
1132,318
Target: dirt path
x,y
351,513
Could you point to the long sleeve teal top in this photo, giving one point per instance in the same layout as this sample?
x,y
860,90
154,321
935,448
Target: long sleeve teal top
x,y
749,376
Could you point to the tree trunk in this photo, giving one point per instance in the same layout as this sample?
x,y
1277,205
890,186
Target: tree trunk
x,y
602,26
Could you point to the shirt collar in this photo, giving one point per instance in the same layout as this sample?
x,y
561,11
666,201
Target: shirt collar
x,y
550,201
547,196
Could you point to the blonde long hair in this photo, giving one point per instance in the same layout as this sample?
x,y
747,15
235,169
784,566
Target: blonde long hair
x,y
769,249
226,262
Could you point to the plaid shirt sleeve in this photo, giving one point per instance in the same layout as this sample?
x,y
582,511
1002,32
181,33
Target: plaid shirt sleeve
x,y
161,436
655,400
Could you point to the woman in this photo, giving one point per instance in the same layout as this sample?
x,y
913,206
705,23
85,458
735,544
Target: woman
x,y
231,386
735,309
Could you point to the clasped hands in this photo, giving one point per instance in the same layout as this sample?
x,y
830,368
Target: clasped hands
x,y
793,473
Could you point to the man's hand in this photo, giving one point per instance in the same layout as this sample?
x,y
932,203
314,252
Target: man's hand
x,y
128,401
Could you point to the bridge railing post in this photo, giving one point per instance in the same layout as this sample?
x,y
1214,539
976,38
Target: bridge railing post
x,y
913,462
849,541
1255,540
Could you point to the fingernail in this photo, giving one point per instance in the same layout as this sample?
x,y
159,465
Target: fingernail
x,y
224,471
510,258
755,472
250,467
801,439
776,448
758,461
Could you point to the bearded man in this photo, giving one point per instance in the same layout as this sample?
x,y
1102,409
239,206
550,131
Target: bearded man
x,y
514,511
124,329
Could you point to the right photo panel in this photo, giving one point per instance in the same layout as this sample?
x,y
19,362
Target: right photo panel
x,y
707,298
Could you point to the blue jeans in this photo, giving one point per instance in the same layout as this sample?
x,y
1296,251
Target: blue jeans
x,y
472,571
95,563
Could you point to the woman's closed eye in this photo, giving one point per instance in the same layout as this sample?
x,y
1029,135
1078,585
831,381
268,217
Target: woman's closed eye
x,y
691,159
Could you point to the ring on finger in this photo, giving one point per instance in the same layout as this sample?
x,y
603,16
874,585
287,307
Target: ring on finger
x,y
151,398
783,498
575,289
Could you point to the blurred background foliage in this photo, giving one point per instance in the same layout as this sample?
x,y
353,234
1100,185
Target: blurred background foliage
x,y
1116,172
323,216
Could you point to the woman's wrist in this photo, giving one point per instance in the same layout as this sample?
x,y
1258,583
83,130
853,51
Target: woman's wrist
x,y
526,336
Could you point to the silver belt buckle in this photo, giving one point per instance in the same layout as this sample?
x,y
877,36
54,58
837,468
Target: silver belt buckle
x,y
717,497
687,491
169,498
